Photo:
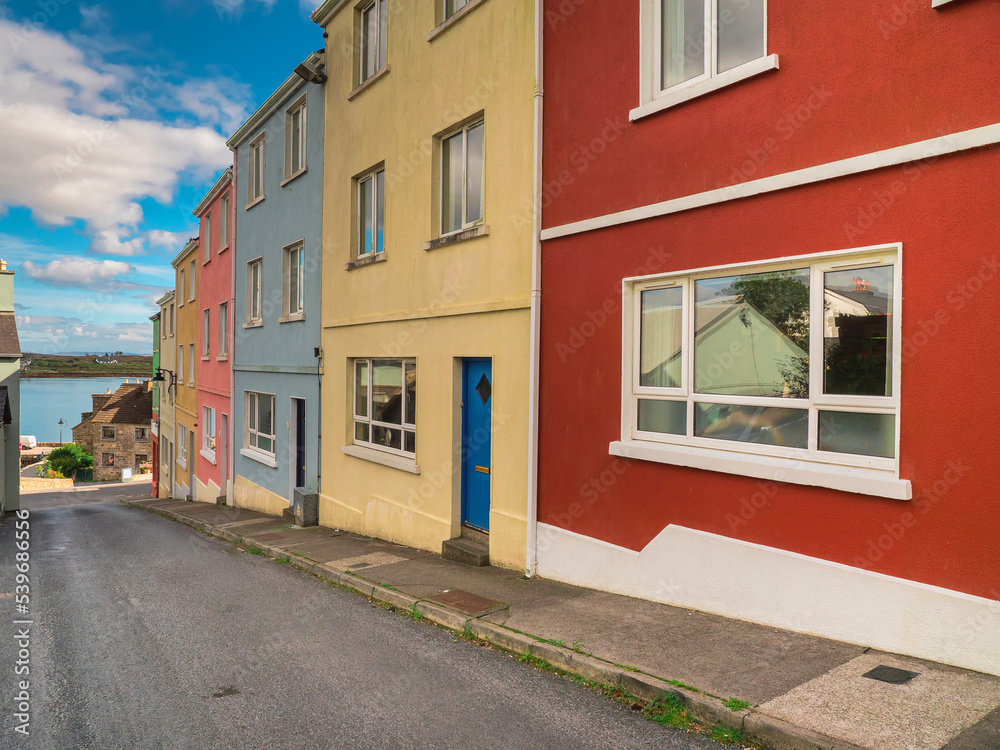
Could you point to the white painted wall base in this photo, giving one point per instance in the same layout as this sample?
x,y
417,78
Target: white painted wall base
x,y
712,573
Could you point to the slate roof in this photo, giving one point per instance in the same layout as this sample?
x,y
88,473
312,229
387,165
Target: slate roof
x,y
10,346
130,404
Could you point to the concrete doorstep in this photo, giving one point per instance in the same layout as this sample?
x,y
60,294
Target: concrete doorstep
x,y
777,689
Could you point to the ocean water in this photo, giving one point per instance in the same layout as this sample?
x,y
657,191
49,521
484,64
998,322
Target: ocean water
x,y
44,401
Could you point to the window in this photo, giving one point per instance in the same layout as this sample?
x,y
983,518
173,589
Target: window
x,y
180,288
260,422
223,329
165,453
462,179
141,434
206,332
374,25
295,139
223,223
208,431
255,181
293,273
385,404
451,7
140,459
180,363
192,292
794,360
190,364
107,432
171,320
208,237
253,292
182,445
371,214
108,460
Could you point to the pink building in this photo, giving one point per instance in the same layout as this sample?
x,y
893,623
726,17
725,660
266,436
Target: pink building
x,y
215,341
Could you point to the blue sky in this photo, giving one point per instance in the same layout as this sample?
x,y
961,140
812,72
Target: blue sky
x,y
113,121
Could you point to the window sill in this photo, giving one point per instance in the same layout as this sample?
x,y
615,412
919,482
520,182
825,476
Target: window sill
x,y
223,249
366,261
254,324
863,481
208,456
482,230
455,18
681,95
293,176
380,457
222,358
261,458
292,318
368,82
182,462
206,357
254,202
206,261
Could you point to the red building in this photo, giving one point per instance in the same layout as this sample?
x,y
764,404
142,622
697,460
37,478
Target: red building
x,y
769,302
215,342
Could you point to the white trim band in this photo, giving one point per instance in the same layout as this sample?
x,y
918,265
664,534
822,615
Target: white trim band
x,y
947,144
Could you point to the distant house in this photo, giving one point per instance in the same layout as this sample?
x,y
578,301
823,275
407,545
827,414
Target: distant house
x,y
106,361
117,432
10,401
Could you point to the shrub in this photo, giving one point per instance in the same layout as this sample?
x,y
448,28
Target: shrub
x,y
68,458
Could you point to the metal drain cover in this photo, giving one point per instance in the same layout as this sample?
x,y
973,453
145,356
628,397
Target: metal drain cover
x,y
893,676
466,601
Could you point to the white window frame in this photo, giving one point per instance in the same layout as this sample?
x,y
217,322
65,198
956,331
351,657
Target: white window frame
x,y
870,475
182,445
251,422
290,171
191,365
180,364
223,222
171,321
457,10
206,333
377,200
381,38
192,290
652,97
464,132
114,433
208,433
223,330
293,309
207,254
367,418
254,298
255,189
180,287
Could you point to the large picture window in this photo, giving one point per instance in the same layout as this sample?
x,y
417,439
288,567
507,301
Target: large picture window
x,y
385,404
259,433
795,359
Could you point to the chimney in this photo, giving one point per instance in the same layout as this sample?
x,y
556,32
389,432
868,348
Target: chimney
x,y
6,288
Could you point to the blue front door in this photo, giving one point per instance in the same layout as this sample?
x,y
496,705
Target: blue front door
x,y
477,440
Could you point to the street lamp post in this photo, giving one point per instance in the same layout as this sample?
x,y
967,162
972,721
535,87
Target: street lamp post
x,y
61,423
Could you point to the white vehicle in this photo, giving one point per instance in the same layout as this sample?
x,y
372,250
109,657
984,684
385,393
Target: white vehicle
x,y
28,441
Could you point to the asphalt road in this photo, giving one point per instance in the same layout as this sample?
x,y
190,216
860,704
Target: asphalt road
x,y
146,634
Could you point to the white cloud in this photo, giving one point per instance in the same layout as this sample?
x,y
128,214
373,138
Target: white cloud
x,y
170,241
235,8
94,17
76,272
87,146
308,6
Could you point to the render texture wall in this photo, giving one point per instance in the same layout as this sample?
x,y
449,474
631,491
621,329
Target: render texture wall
x,y
278,358
468,299
168,362
186,394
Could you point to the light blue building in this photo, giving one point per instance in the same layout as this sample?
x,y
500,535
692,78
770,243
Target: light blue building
x,y
278,194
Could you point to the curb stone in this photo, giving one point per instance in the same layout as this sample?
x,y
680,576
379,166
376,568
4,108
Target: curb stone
x,y
767,731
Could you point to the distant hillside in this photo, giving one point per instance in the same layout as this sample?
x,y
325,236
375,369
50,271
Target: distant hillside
x,y
81,366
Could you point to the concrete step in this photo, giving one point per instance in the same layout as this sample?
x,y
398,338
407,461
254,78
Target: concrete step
x,y
468,551
288,515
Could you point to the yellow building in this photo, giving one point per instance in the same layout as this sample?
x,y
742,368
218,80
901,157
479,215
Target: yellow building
x,y
427,272
186,358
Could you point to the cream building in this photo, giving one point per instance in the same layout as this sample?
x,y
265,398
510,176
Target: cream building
x,y
428,273
168,392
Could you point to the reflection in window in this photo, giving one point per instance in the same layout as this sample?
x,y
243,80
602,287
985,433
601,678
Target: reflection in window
x,y
385,398
753,424
666,417
752,335
857,326
660,345
860,434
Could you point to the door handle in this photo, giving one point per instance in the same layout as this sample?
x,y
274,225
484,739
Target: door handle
x,y
483,469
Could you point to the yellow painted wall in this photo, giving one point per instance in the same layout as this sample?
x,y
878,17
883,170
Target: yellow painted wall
x,y
468,299
254,497
186,394
168,361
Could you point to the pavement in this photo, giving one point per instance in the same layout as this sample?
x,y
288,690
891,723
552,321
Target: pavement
x,y
139,634
784,690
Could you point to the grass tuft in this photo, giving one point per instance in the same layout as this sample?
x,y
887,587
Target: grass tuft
x,y
667,709
736,705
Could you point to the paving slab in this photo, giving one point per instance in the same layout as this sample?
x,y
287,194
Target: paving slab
x,y
925,713
985,734
350,546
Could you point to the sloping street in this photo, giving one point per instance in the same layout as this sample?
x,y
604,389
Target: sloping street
x,y
148,635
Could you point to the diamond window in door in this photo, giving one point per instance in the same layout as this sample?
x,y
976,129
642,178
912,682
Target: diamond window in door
x,y
484,389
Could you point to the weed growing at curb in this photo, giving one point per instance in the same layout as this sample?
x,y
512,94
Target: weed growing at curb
x,y
282,560
414,614
727,735
678,683
736,705
556,642
667,709
253,550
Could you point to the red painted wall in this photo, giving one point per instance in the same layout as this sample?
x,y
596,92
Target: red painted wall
x,y
215,280
930,77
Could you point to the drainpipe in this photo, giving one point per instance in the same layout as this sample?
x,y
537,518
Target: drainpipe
x,y
231,489
531,557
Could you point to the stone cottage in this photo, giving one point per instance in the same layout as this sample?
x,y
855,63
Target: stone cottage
x,y
117,432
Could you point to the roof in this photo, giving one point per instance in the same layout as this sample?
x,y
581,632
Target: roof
x,y
191,245
167,296
324,13
220,184
876,303
132,403
5,417
10,346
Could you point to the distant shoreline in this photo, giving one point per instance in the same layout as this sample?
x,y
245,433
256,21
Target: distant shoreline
x,y
67,375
